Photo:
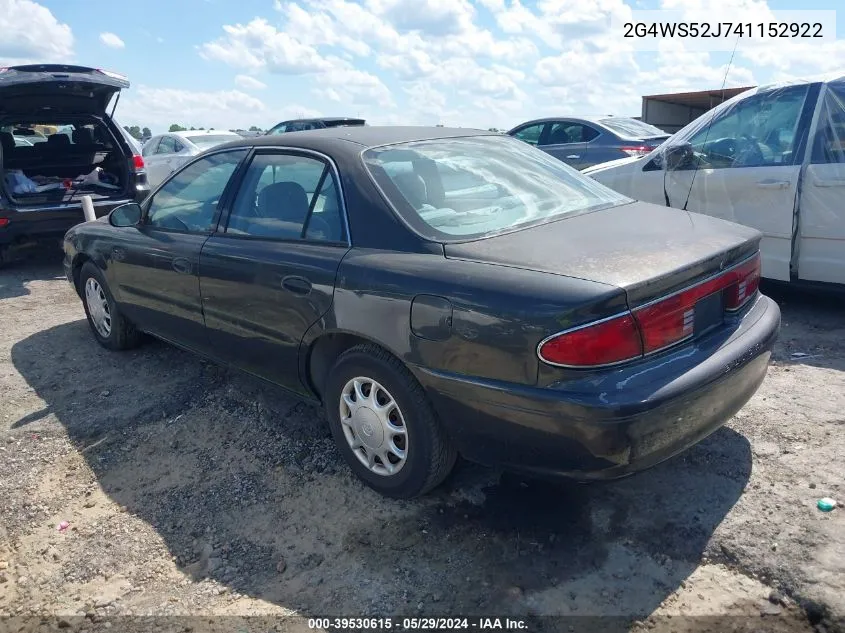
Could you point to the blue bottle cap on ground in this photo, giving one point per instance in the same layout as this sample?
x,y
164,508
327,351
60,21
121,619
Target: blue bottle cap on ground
x,y
826,504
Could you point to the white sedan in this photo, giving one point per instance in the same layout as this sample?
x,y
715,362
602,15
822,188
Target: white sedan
x,y
166,152
772,158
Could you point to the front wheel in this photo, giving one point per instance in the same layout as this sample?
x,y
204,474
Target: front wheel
x,y
109,326
384,425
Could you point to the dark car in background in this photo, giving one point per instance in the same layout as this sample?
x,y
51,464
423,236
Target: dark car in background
x,y
441,291
301,125
583,142
54,129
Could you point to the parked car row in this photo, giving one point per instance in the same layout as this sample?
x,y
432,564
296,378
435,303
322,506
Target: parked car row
x,y
443,291
772,158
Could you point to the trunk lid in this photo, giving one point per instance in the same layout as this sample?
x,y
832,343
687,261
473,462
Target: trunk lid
x,y
647,250
57,88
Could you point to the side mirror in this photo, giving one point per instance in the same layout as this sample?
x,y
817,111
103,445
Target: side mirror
x,y
128,214
677,156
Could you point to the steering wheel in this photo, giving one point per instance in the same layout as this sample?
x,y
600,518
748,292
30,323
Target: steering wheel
x,y
748,152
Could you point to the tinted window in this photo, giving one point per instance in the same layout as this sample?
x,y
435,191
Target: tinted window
x,y
530,134
188,201
759,130
167,145
829,143
563,132
290,197
476,186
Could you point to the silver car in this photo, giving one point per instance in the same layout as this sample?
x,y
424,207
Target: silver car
x,y
582,142
166,152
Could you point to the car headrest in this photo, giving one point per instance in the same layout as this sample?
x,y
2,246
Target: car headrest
x,y
83,136
58,139
7,141
412,186
285,201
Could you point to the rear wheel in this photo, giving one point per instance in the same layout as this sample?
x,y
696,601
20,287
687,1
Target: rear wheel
x,y
384,425
109,326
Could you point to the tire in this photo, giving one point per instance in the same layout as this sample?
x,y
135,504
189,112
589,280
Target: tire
x,y
117,333
429,455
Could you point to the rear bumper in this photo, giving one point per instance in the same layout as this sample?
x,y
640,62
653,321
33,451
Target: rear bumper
x,y
615,424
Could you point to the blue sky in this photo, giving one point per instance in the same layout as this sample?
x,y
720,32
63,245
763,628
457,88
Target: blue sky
x,y
481,63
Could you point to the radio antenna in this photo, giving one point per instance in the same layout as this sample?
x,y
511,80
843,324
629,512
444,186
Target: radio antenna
x,y
710,123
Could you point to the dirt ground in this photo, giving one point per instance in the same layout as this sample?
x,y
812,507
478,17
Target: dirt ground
x,y
192,493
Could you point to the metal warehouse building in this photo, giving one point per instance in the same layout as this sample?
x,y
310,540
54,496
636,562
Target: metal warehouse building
x,y
671,112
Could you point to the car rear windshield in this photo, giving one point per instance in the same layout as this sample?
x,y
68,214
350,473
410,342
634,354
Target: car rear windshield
x,y
210,140
632,128
471,187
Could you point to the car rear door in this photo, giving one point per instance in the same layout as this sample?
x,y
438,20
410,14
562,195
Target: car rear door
x,y
268,273
821,237
749,164
562,140
156,264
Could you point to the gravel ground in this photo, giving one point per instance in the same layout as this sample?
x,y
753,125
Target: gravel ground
x,y
193,491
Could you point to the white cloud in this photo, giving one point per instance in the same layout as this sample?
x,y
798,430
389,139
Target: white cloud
x,y
493,63
259,45
30,32
157,108
111,40
249,83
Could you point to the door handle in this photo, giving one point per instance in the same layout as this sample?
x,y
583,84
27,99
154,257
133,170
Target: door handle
x,y
296,285
773,184
181,265
574,156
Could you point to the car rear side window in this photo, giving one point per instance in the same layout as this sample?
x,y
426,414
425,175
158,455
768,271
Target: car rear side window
x,y
167,145
287,197
188,201
472,187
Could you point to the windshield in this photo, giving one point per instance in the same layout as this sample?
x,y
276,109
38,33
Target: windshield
x,y
204,141
632,127
470,187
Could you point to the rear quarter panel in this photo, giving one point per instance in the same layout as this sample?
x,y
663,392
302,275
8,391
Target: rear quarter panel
x,y
499,313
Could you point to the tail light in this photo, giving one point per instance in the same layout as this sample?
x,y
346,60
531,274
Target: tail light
x,y
137,162
652,327
636,150
606,342
4,222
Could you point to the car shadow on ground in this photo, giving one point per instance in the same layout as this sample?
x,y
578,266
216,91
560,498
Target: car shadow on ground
x,y
39,265
236,477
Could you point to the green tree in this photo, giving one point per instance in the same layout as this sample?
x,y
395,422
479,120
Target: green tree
x,y
175,127
134,131
146,133
254,128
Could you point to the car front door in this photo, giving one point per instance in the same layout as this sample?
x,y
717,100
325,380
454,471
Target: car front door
x,y
747,167
268,273
821,237
156,264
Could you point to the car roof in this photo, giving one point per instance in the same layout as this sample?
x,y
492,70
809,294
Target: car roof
x,y
348,140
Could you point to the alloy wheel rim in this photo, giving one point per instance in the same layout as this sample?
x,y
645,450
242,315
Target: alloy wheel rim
x,y
98,307
373,426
